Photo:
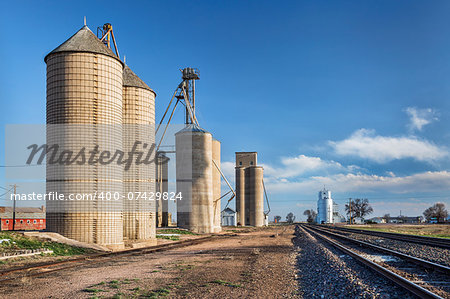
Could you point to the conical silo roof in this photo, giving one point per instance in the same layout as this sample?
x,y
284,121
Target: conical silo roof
x,y
192,128
132,80
84,41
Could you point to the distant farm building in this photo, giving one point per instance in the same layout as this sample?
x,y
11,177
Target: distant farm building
x,y
377,220
404,219
26,218
229,217
399,219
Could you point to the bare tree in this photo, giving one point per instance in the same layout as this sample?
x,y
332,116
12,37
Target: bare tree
x,y
359,208
290,218
437,211
311,214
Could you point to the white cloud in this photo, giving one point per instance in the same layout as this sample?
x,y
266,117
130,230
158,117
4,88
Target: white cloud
x,y
438,181
420,117
295,166
365,144
302,176
227,169
294,177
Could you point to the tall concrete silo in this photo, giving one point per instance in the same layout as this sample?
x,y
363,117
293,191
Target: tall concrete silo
x,y
194,168
240,195
254,195
243,160
162,185
84,111
139,215
216,177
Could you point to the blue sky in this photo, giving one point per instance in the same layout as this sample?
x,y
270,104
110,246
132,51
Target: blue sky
x,y
353,95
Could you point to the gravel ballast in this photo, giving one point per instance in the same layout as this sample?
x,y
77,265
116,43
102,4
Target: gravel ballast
x,y
325,272
429,253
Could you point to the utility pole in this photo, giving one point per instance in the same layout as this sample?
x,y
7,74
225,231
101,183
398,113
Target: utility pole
x,y
350,209
14,208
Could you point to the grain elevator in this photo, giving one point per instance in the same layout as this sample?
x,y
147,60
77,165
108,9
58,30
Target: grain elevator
x,y
249,190
96,103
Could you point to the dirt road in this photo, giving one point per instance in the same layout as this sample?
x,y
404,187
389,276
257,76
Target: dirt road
x,y
258,264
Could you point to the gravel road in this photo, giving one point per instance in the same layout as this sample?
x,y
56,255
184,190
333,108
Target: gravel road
x,y
257,264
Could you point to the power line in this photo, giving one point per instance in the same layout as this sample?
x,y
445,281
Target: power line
x,y
404,197
8,166
6,192
368,197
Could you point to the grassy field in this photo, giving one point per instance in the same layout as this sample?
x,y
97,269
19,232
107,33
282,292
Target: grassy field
x,y
19,241
429,230
174,231
160,233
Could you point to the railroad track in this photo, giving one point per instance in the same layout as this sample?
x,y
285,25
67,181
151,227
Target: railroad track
x,y
421,262
46,268
403,270
429,241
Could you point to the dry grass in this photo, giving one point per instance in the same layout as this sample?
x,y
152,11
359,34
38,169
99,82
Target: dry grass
x,y
429,230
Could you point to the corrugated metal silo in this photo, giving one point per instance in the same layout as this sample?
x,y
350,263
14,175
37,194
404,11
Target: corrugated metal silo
x,y
254,195
216,177
325,207
194,179
139,215
84,110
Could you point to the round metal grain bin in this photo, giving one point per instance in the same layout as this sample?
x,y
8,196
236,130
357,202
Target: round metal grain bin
x,y
254,195
194,179
139,214
216,177
84,111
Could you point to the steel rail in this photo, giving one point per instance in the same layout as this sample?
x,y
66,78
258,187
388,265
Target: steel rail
x,y
416,260
423,240
102,257
397,279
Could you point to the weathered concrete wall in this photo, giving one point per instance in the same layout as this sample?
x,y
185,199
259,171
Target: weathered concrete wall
x,y
245,159
162,186
254,194
240,195
216,177
194,179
